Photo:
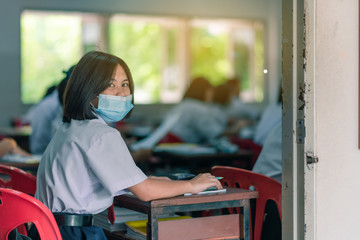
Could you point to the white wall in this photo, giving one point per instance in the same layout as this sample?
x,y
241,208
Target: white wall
x,y
336,104
267,10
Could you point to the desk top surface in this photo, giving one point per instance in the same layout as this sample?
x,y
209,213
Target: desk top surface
x,y
194,150
229,195
24,166
204,156
25,163
12,131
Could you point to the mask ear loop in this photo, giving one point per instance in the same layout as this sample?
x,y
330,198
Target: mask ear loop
x,y
92,105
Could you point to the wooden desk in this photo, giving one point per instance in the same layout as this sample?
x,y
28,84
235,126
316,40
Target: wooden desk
x,y
28,167
204,162
28,163
233,226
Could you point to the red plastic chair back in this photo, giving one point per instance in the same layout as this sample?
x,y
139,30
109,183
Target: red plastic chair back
x,y
170,138
17,208
247,144
268,188
17,179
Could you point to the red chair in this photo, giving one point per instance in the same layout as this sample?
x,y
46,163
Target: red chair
x,y
246,144
268,188
17,179
17,208
170,138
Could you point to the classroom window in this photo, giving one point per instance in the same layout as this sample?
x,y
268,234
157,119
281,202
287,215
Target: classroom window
x,y
50,43
149,46
225,48
163,53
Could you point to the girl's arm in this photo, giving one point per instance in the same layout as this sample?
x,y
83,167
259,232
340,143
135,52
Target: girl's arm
x,y
153,188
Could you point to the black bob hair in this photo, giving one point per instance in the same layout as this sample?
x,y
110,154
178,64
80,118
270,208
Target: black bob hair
x,y
91,76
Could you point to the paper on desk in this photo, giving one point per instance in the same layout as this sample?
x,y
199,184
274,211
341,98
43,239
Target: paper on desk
x,y
207,192
17,158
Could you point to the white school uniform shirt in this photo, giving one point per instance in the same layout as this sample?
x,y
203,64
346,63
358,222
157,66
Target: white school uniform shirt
x,y
57,121
271,116
237,109
85,165
200,122
269,162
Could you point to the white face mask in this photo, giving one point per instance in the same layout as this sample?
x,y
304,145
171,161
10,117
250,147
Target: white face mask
x,y
113,108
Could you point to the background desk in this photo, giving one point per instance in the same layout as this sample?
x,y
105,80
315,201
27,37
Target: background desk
x,y
28,167
28,163
233,226
203,162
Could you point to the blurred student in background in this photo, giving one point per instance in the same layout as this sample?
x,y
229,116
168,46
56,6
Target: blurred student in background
x,y
26,118
47,116
240,115
237,109
247,128
194,120
271,117
269,162
57,122
246,121
9,146
269,135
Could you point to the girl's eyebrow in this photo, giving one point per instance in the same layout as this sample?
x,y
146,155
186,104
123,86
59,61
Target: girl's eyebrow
x,y
114,80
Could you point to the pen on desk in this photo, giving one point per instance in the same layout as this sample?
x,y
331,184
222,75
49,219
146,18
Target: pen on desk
x,y
219,178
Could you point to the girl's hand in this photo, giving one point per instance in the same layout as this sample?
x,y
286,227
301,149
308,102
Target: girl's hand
x,y
204,181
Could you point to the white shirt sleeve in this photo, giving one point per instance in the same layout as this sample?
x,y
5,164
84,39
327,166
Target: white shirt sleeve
x,y
111,162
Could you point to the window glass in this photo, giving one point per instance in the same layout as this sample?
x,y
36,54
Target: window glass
x,y
226,49
259,62
50,43
138,44
163,53
209,47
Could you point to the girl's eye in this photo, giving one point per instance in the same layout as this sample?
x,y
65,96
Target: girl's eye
x,y
111,85
125,85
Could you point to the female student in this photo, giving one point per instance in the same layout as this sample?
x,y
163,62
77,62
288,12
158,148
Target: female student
x,y
87,162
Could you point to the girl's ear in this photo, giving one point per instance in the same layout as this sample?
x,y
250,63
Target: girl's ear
x,y
95,102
